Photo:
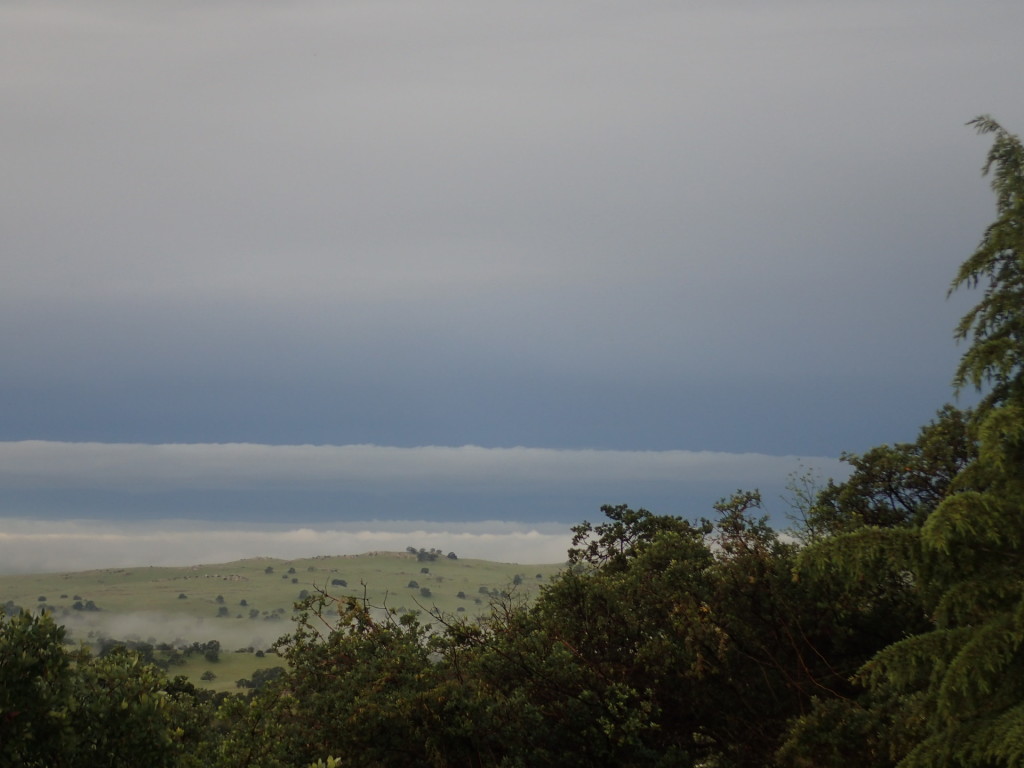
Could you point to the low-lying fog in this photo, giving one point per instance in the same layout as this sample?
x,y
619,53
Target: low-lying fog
x,y
155,627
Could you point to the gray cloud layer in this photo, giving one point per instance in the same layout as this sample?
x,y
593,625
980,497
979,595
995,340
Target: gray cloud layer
x,y
723,226
42,464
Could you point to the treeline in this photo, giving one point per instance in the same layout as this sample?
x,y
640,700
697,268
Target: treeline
x,y
885,629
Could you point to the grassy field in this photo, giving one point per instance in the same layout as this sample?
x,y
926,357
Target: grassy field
x,y
248,603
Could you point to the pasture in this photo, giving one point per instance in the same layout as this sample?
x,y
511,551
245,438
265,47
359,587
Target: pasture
x,y
248,604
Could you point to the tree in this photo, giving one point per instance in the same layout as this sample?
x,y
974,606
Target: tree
x,y
364,685
953,695
61,708
34,685
968,673
895,485
673,643
995,325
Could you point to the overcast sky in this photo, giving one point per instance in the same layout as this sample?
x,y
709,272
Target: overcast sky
x,y
467,261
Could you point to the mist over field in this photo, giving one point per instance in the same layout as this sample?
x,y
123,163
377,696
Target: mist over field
x,y
157,627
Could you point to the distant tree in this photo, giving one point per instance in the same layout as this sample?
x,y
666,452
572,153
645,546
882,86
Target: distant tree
x,y
260,678
243,602
222,611
413,584
207,675
425,592
452,556
269,569
211,650
422,570
182,596
219,599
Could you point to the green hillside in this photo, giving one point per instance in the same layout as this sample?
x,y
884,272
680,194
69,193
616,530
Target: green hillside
x,y
247,604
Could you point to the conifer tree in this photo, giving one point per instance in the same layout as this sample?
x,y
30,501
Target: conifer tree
x,y
954,696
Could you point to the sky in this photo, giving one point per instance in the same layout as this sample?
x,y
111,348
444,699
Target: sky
x,y
353,270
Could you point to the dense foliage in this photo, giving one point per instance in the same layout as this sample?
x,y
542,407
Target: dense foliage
x,y
887,628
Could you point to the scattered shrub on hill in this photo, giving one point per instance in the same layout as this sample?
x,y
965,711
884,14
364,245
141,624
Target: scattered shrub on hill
x,y
260,678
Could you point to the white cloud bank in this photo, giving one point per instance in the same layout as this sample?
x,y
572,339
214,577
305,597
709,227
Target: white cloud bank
x,y
35,464
73,545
